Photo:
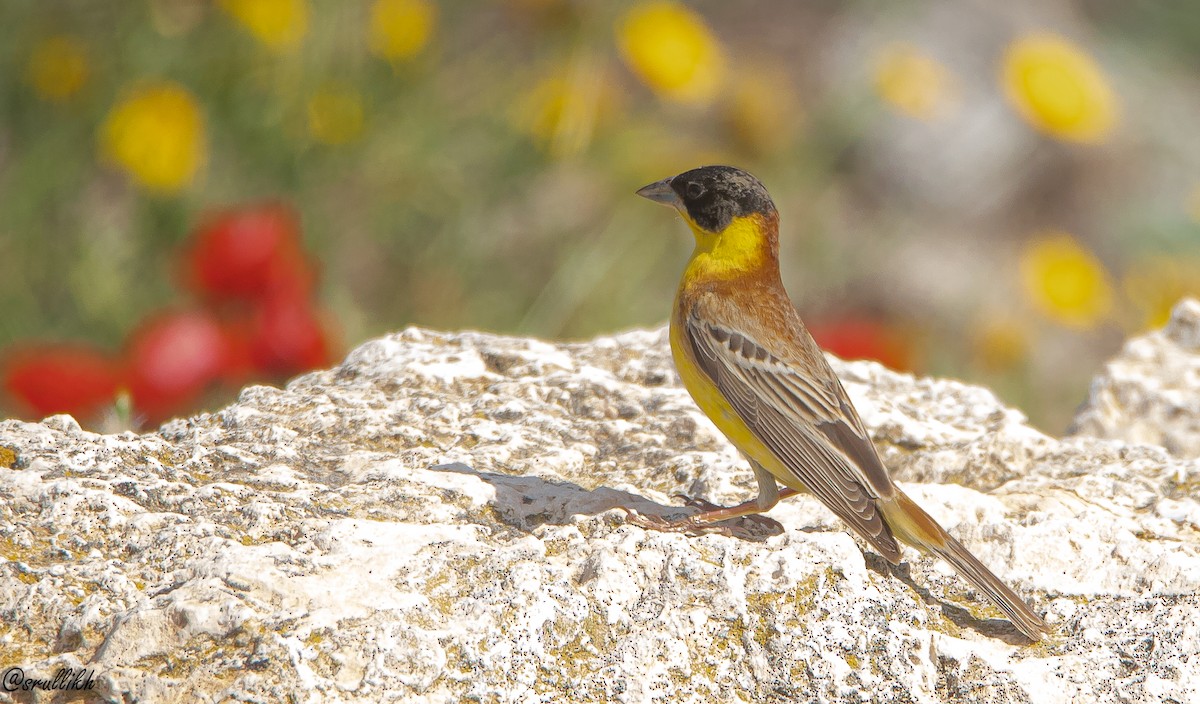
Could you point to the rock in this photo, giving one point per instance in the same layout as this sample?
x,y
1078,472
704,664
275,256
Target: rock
x,y
432,521
1150,392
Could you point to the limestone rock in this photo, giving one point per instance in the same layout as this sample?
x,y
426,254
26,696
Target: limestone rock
x,y
432,521
1150,392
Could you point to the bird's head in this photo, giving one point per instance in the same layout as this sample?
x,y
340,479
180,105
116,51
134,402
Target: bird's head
x,y
711,197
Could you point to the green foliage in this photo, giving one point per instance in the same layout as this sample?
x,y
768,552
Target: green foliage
x,y
486,180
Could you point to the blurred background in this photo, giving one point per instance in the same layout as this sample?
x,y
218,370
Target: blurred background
x,y
196,195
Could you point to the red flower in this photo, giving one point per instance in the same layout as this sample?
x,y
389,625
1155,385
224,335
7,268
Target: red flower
x,y
288,337
258,319
862,338
246,254
48,379
172,358
239,367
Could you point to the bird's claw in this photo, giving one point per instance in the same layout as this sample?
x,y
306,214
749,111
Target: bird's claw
x,y
683,525
751,527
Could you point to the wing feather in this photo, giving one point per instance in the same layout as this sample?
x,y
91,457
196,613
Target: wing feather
x,y
807,424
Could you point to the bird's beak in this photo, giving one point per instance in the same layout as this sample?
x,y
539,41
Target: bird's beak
x,y
661,192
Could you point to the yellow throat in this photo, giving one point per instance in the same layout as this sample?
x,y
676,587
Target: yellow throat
x,y
743,246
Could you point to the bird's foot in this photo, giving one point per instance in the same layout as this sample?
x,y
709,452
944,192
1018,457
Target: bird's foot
x,y
710,519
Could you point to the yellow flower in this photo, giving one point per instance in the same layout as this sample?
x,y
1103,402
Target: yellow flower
x,y
400,29
672,51
999,343
1065,282
157,135
335,114
1058,88
58,68
563,111
1156,284
761,112
278,24
914,83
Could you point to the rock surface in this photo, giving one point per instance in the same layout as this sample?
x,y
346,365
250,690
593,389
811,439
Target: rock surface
x,y
1150,392
432,521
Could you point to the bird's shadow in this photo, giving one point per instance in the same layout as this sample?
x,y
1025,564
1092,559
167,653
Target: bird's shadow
x,y
525,502
997,628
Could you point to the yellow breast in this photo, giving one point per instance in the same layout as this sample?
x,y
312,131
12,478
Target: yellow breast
x,y
717,407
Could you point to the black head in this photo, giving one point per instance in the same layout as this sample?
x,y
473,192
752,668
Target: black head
x,y
712,195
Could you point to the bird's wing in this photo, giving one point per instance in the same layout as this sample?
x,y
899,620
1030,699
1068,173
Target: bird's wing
x,y
805,420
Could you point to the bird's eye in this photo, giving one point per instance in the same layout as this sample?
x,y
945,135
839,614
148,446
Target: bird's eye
x,y
694,190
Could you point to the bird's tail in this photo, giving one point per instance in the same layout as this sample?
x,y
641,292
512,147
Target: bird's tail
x,y
913,526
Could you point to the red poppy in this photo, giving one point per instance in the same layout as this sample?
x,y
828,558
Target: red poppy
x,y
289,337
61,378
171,359
239,367
864,338
246,254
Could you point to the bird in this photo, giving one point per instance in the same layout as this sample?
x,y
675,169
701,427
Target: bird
x,y
750,364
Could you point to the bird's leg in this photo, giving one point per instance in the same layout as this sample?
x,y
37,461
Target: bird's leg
x,y
769,494
711,513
